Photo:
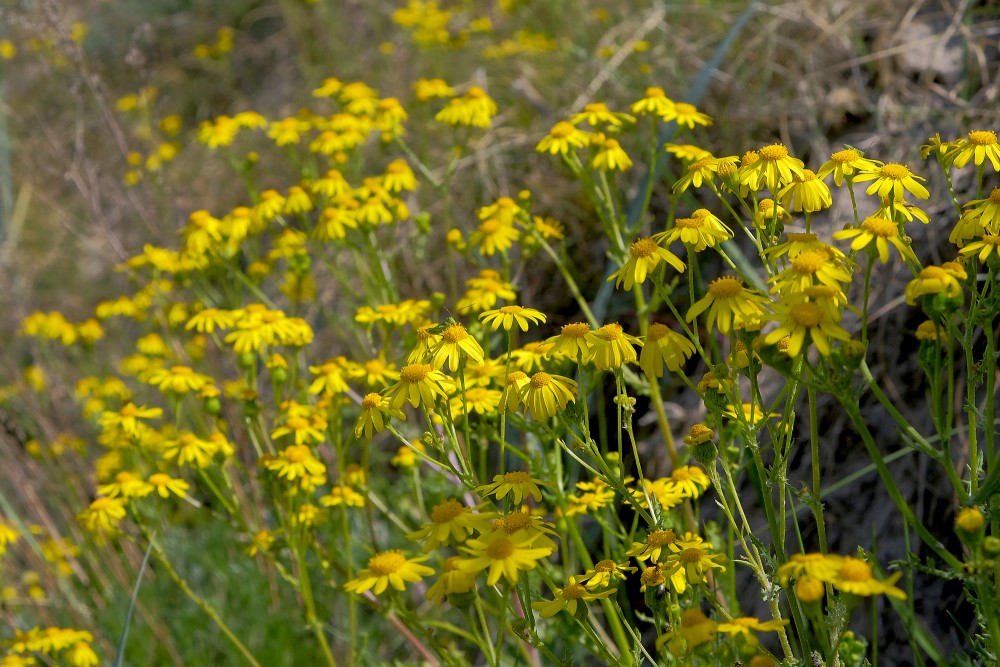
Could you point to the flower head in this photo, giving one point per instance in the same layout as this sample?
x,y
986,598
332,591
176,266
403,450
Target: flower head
x,y
544,394
388,568
893,180
729,304
508,316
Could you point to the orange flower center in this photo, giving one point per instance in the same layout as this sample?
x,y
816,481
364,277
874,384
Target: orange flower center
x,y
129,410
490,227
689,223
773,152
447,511
700,164
654,92
610,332
181,371
517,477
371,401
806,314
725,287
657,332
690,555
810,261
476,394
511,310
573,592
805,177
652,576
515,522
661,538
500,550
606,566
897,172
846,156
611,145
386,563
575,330
100,504
516,377
983,138
880,227
475,92
539,380
413,373
298,424
766,206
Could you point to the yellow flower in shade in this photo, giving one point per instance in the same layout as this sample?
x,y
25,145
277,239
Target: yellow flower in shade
x,y
508,316
880,233
484,374
730,305
494,236
984,212
611,157
451,523
666,494
452,580
644,255
893,180
695,174
511,397
698,434
484,290
479,400
690,481
597,113
562,138
177,379
745,626
594,496
806,192
375,372
8,536
208,320
374,410
294,462
165,485
687,115
398,177
408,456
605,573
455,340
657,542
127,419
342,495
572,342
844,164
773,168
654,102
418,383
855,577
694,556
664,346
388,568
611,347
695,629
568,598
968,519
984,247
544,395
702,230
503,557
103,515
330,377
800,316
979,146
518,484
823,567
767,214
927,330
933,280
127,485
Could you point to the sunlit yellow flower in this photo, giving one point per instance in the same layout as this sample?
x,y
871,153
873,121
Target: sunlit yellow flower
x,y
806,192
597,113
702,230
388,568
295,462
822,266
844,164
511,397
475,109
880,233
562,138
494,236
698,434
452,580
773,168
451,523
455,341
507,316
611,347
302,430
418,383
932,280
595,495
479,400
189,448
165,485
985,213
686,115
644,255
127,419
687,152
503,557
892,180
611,156
342,495
664,346
798,317
656,542
103,515
824,567
694,556
374,409
744,626
654,101
426,89
572,342
984,247
568,597
605,573
518,484
979,146
8,536
729,304
691,481
127,485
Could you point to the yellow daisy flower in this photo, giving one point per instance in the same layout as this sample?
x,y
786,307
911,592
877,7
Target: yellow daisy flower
x,y
702,230
597,113
664,346
103,515
932,280
806,193
979,146
984,212
799,317
480,400
823,567
418,383
451,523
611,157
165,485
572,342
562,138
729,304
503,557
893,180
455,341
644,255
855,576
374,410
294,462
605,573
518,484
568,598
493,236
987,245
654,101
657,542
388,568
510,399
744,626
880,233
544,395
611,347
507,316
686,115
844,164
773,168
452,580
694,556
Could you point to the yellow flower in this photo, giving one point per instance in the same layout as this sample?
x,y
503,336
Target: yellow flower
x,y
127,485
455,341
507,316
695,629
475,109
605,573
342,495
426,89
518,484
562,138
568,597
295,462
452,580
773,168
103,515
978,147
933,280
742,626
806,193
664,346
687,152
687,115
694,557
178,379
691,481
855,577
511,397
596,113
984,212
657,541
480,400
572,342
698,434
544,395
7,536
189,448
503,557
302,430
407,456
595,496
611,347
374,408
729,304
611,157
702,230
417,383
494,236
127,419
845,163
654,101
969,519
799,316
892,180
823,567
451,523
881,233
388,568
165,485
644,255
987,245
824,266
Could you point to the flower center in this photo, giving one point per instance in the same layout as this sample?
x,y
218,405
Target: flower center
x,y
539,380
897,172
845,156
880,227
100,504
297,453
700,164
689,223
806,314
500,550
476,92
159,479
515,377
683,108
801,237
447,511
690,555
652,576
725,287
611,145
562,129
517,477
371,401
660,538
515,522
994,197
573,592
386,563
414,372
773,152
575,330
490,227
810,261
476,394
657,332
606,566
856,570
181,370
933,273
766,206
129,410
805,177
298,424
610,332
989,239
983,138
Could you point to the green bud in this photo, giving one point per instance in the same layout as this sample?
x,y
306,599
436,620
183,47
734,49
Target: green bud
x,y
991,546
248,360
279,375
705,453
212,405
